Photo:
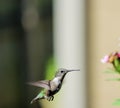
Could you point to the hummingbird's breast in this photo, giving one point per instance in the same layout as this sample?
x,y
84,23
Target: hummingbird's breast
x,y
55,85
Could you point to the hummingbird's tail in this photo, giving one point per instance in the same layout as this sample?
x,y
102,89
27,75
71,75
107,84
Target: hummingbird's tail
x,y
34,100
41,95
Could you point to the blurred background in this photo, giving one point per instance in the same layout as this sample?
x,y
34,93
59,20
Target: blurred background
x,y
39,36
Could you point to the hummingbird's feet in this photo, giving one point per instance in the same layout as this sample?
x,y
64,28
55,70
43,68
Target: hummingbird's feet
x,y
50,98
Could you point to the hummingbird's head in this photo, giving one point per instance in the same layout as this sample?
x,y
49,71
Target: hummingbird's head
x,y
61,72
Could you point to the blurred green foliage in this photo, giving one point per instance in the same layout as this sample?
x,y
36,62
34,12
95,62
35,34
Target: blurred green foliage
x,y
117,102
50,68
17,63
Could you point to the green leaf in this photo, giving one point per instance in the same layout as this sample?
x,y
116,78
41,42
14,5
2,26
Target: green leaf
x,y
117,102
116,65
110,71
113,79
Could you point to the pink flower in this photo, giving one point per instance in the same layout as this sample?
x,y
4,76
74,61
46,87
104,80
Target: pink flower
x,y
105,59
118,54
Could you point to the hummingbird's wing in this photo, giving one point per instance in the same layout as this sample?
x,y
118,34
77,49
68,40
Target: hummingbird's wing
x,y
44,84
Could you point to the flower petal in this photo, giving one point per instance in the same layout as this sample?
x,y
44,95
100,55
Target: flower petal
x,y
105,59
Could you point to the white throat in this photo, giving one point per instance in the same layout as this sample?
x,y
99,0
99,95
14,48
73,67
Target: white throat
x,y
57,80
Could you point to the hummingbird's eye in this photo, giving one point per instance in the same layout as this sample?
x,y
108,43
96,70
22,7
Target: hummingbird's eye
x,y
62,71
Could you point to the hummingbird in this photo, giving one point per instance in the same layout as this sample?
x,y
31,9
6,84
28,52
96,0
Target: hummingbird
x,y
51,87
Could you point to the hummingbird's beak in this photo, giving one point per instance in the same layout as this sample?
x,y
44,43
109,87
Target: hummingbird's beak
x,y
73,70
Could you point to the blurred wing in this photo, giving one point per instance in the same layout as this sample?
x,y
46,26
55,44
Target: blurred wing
x,y
44,84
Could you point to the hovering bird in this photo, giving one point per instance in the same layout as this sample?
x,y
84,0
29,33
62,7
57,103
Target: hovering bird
x,y
51,87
